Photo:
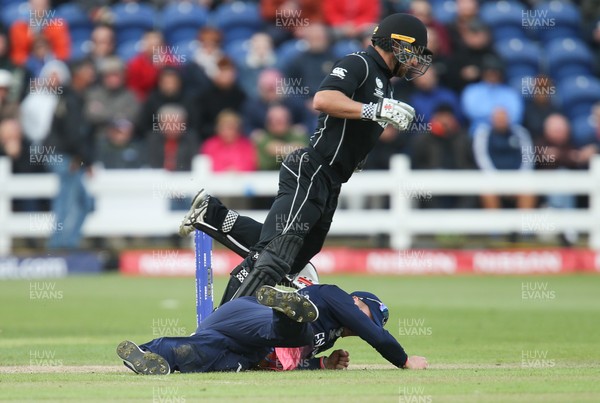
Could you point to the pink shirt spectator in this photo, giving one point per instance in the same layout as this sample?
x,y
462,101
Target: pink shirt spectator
x,y
229,149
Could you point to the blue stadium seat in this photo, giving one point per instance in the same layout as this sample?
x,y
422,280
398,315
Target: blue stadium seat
x,y
505,19
583,131
343,47
521,56
13,12
444,11
577,94
6,3
80,25
556,19
131,20
568,57
79,50
180,22
127,50
237,50
288,51
237,20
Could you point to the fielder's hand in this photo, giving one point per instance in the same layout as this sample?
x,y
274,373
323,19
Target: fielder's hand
x,y
339,359
416,362
389,110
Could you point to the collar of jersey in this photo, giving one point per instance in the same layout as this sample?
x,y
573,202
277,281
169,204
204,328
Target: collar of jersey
x,y
379,60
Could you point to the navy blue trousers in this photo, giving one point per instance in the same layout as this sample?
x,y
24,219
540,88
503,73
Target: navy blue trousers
x,y
235,337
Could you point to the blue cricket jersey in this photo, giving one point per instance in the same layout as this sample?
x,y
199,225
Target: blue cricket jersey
x,y
336,311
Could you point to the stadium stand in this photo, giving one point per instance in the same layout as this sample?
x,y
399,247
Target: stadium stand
x,y
545,46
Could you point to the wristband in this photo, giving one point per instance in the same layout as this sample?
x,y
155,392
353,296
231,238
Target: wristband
x,y
368,111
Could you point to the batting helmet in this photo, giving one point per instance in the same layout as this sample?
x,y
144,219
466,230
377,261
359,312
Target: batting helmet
x,y
406,37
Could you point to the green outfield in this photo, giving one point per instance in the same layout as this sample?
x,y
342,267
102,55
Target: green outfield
x,y
487,339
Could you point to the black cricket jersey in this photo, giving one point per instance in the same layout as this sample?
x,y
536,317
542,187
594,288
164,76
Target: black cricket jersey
x,y
336,311
345,143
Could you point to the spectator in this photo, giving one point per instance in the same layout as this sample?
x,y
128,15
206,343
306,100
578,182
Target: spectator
x,y
203,66
229,149
71,140
313,64
595,119
285,17
467,12
439,62
38,107
102,45
40,55
110,99
422,10
538,106
55,31
445,146
259,57
428,95
480,100
269,93
306,72
16,147
8,108
20,76
143,69
171,146
350,19
168,91
278,139
464,67
503,145
224,93
119,150
555,152
390,143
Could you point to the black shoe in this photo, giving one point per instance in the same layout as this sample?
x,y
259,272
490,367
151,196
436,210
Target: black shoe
x,y
142,362
295,306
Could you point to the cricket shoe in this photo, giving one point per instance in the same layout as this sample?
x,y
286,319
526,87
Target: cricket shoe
x,y
195,214
295,306
142,362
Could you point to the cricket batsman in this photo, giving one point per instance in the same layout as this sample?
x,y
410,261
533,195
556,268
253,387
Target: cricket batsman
x,y
356,103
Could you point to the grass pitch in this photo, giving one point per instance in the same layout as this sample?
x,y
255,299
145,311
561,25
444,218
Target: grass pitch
x,y
487,339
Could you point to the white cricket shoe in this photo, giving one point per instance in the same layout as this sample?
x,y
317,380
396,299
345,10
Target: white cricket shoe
x,y
195,214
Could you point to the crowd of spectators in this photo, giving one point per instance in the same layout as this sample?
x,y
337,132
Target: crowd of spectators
x,y
135,94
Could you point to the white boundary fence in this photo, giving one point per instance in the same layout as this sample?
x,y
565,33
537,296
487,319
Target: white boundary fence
x,y
136,202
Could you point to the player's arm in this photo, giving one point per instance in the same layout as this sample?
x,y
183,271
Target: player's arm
x,y
351,317
334,96
339,359
335,103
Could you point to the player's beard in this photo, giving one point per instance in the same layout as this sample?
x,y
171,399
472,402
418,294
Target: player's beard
x,y
400,69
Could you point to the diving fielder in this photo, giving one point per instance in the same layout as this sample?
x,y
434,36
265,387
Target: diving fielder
x,y
294,326
356,103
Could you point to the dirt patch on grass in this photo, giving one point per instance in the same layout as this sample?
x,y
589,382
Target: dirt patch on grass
x,y
62,369
104,369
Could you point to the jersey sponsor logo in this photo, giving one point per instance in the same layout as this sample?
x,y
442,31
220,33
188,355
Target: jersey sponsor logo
x,y
378,82
339,72
335,333
319,339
